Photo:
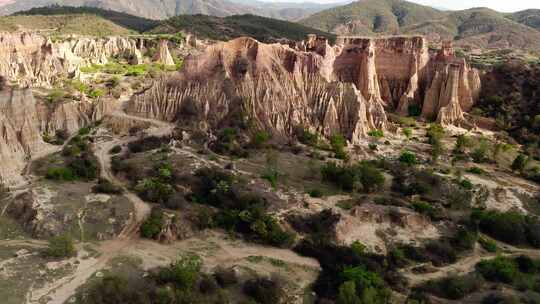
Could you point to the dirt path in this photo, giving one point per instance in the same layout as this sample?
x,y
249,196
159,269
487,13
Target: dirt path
x,y
467,264
61,290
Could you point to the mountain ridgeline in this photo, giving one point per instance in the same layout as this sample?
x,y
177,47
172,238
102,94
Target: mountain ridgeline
x,y
476,28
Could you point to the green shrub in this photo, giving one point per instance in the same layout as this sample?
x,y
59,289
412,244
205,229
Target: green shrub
x,y
184,273
499,269
407,132
466,184
115,150
61,247
408,158
347,294
376,133
414,110
55,96
60,174
369,176
511,227
453,287
306,137
260,139
105,186
338,144
519,163
264,291
422,207
95,93
317,193
152,226
476,170
488,245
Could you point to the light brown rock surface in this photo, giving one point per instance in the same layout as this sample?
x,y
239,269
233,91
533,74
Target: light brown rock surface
x,y
346,88
163,55
24,120
29,59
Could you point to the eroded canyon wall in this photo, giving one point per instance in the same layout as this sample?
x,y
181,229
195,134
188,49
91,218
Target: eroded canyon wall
x,y
29,59
24,120
346,88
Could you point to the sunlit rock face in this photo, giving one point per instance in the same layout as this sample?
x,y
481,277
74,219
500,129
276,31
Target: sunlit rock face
x,y
29,59
346,88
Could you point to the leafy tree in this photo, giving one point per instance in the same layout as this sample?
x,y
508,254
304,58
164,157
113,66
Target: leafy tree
x,y
407,132
347,294
339,143
153,225
183,273
61,247
520,162
408,158
370,177
500,269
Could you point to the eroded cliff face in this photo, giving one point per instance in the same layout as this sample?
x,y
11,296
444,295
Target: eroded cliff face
x,y
29,59
276,87
24,121
346,88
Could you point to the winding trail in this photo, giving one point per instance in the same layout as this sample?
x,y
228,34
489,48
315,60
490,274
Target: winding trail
x,y
60,291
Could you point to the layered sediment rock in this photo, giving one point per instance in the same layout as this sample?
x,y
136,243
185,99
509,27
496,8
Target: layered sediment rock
x,y
24,121
163,55
346,88
30,59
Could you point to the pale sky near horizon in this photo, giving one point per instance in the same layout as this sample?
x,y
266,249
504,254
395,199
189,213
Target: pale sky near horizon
x,y
499,5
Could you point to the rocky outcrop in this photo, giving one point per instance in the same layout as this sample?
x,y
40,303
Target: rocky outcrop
x,y
163,55
30,59
24,121
346,88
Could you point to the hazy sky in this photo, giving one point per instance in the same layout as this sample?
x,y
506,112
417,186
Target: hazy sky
x,y
500,5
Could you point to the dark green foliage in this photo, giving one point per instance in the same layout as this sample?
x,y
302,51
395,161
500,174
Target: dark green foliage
x,y
435,133
347,294
147,144
476,170
183,273
152,226
414,110
154,190
350,178
466,184
229,142
338,144
60,174
519,163
317,193
61,247
511,95
511,227
264,291
488,245
114,289
376,133
454,287
259,140
240,210
306,137
115,150
319,226
344,264
260,28
408,158
423,207
129,21
105,186
499,269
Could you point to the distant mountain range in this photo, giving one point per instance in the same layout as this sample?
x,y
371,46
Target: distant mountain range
x,y
62,20
162,9
478,27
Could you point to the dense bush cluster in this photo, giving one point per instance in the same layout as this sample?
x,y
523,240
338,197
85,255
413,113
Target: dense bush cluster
x,y
349,274
60,246
79,162
240,210
148,143
453,287
510,227
363,176
181,282
510,94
